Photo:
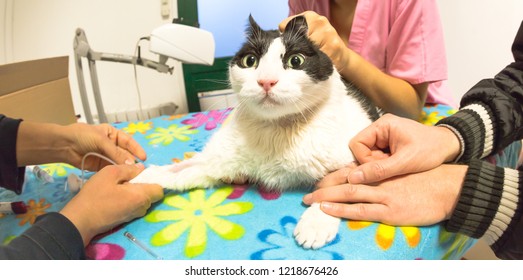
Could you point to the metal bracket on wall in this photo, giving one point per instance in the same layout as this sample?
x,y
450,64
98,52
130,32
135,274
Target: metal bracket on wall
x,y
82,49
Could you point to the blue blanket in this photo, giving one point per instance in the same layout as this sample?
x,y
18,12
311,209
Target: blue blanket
x,y
239,222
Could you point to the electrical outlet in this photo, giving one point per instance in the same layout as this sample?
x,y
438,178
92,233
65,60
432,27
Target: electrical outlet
x,y
165,8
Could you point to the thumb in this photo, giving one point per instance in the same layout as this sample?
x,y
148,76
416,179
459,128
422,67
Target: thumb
x,y
153,191
284,23
375,171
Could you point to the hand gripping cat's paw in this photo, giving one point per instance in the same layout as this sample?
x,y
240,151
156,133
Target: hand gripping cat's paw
x,y
315,228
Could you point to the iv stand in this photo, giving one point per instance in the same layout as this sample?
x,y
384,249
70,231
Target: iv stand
x,y
82,49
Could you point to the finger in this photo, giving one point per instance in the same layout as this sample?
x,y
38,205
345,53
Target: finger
x,y
307,14
363,144
128,143
370,141
335,178
284,23
366,152
122,148
322,33
378,170
129,147
349,193
359,211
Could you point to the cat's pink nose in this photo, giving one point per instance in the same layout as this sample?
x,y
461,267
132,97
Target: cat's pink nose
x,y
267,84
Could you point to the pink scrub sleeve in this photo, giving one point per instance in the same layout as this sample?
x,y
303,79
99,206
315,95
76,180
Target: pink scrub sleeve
x,y
403,38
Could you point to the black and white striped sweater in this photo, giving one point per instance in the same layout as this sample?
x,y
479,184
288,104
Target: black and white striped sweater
x,y
491,200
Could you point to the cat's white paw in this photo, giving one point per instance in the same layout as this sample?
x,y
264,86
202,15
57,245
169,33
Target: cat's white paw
x,y
155,174
180,177
315,228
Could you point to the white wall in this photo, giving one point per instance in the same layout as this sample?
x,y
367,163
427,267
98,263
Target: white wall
x,y
39,29
478,36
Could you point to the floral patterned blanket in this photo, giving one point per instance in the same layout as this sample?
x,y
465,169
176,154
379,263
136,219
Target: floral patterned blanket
x,y
237,222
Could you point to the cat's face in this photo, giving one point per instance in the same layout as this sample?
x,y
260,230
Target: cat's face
x,y
277,74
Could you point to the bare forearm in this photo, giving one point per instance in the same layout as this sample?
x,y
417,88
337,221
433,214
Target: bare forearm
x,y
392,94
39,143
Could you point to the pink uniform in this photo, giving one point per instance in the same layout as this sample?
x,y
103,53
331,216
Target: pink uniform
x,y
403,38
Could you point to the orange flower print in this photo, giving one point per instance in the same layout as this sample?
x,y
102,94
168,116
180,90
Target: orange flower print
x,y
33,211
385,233
175,117
186,155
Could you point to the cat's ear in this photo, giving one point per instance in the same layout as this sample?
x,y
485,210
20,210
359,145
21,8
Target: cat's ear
x,y
253,28
297,25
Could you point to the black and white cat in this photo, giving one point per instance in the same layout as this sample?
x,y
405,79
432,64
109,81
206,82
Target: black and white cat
x,y
292,125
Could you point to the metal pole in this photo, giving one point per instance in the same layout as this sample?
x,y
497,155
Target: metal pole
x,y
82,49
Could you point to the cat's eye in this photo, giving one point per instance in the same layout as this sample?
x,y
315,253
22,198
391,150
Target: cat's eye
x,y
295,61
249,61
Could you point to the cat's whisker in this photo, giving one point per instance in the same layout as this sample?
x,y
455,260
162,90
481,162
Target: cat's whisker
x,y
222,82
213,106
240,107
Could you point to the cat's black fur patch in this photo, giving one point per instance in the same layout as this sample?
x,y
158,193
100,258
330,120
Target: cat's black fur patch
x,y
258,42
364,101
295,38
317,65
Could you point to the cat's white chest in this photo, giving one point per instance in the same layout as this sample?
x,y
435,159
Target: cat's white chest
x,y
283,157
275,157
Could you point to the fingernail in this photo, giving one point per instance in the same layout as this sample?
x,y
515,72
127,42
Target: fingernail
x,y
326,206
307,199
129,161
356,177
139,165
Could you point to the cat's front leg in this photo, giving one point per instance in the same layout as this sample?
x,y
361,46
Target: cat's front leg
x,y
181,176
315,228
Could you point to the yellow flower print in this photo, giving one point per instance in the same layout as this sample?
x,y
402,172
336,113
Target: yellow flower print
x,y
165,136
34,210
385,233
457,244
140,127
58,169
430,119
195,215
433,117
8,239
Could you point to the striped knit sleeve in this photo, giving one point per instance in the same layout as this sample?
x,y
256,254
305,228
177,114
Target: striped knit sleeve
x,y
474,127
490,204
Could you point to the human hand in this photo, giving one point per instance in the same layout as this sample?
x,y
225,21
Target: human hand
x,y
325,36
417,199
104,139
39,143
106,200
394,146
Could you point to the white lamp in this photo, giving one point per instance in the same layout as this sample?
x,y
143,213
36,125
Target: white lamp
x,y
180,42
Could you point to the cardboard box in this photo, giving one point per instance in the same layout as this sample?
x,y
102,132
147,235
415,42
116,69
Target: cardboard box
x,y
37,90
